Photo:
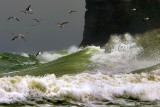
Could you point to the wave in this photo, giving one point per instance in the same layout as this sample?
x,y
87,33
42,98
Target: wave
x,y
122,54
81,89
69,64
48,56
125,70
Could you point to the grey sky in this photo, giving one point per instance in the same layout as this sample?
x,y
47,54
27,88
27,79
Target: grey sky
x,y
46,36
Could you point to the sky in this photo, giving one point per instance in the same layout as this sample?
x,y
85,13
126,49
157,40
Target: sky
x,y
46,36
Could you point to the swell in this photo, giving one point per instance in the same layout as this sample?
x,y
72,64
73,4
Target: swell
x,y
70,64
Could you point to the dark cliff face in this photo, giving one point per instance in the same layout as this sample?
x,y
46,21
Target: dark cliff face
x,y
106,17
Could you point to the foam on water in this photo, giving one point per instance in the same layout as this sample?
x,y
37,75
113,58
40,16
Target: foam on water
x,y
50,56
24,54
120,56
83,88
47,57
73,49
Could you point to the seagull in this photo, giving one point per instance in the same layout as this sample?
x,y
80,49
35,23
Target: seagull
x,y
28,10
37,20
61,24
38,53
71,11
134,9
145,19
13,17
19,36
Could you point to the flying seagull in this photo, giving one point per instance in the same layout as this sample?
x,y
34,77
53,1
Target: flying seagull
x,y
134,9
37,20
13,17
71,11
145,19
38,53
19,36
61,24
28,10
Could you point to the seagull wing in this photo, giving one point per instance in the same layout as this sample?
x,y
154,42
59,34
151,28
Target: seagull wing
x,y
15,37
38,53
73,11
28,8
36,20
64,23
17,19
23,34
9,18
23,38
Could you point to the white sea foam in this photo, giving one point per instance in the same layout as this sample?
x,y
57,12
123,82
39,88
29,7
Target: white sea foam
x,y
50,56
120,55
24,54
83,88
47,57
73,49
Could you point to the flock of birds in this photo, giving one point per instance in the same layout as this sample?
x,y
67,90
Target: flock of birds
x,y
28,10
144,19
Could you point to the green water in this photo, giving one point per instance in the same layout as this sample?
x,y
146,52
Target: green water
x,y
10,62
82,76
70,64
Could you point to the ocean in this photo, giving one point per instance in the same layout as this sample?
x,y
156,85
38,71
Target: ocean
x,y
125,72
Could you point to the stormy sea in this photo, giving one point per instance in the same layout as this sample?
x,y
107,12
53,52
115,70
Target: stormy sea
x,y
125,72
115,64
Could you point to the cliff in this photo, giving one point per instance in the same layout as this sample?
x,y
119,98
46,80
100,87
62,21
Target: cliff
x,y
106,17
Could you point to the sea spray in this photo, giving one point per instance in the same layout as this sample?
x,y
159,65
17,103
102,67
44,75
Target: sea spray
x,y
150,41
121,55
48,56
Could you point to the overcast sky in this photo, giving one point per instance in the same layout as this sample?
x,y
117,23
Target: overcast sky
x,y
46,36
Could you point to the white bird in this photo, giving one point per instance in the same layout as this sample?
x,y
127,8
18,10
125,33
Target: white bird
x,y
145,19
19,36
61,24
28,10
13,17
134,9
38,53
37,20
71,11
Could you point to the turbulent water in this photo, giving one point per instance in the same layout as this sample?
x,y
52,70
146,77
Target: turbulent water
x,y
125,72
